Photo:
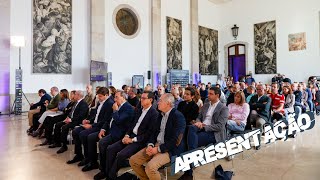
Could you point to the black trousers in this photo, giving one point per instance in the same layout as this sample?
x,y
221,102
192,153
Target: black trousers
x,y
103,145
49,123
61,131
80,137
117,154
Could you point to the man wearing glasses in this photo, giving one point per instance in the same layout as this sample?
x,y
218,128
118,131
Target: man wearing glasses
x,y
134,140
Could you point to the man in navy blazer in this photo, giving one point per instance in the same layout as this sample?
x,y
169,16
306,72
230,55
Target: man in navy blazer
x,y
34,107
122,119
80,134
165,142
134,140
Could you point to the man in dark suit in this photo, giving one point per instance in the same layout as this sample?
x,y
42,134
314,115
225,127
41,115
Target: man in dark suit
x,y
34,107
52,104
49,122
210,125
80,134
134,140
260,108
77,114
165,142
122,119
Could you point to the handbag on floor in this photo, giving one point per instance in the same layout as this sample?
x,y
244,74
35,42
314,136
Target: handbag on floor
x,y
220,174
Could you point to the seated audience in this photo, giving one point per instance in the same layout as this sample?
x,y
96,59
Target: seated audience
x,y
309,99
78,113
51,106
49,122
134,140
304,98
177,98
37,107
289,99
251,91
230,99
159,93
197,99
277,103
298,96
89,97
95,100
259,108
165,143
113,92
133,98
64,101
203,92
210,125
82,134
238,113
122,119
188,107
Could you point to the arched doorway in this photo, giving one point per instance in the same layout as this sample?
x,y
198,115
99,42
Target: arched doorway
x,y
236,61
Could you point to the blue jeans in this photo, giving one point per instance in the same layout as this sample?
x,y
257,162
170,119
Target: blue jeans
x,y
232,126
198,137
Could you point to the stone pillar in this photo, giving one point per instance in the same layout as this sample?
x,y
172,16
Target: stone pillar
x,y
97,44
156,43
194,65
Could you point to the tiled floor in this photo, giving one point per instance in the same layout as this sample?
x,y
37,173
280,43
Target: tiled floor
x,y
21,158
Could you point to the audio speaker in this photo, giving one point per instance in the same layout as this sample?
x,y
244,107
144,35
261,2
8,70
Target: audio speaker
x,y
149,74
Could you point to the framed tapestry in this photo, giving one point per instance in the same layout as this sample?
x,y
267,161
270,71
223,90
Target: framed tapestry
x,y
265,49
52,36
208,51
174,43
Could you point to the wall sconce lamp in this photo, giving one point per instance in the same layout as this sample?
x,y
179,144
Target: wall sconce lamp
x,y
235,30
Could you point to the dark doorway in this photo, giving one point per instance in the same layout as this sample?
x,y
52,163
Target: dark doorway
x,y
236,61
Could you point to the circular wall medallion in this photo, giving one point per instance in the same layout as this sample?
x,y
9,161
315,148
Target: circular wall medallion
x,y
126,21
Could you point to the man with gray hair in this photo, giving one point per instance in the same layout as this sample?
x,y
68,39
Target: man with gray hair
x,y
177,98
78,113
113,131
260,105
164,144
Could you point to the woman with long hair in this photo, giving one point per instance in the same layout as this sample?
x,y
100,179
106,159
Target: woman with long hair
x,y
238,113
289,99
64,101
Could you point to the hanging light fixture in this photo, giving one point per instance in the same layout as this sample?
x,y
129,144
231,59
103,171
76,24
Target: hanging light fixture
x,y
235,30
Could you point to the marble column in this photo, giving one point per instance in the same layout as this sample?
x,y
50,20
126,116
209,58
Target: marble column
x,y
156,43
97,30
194,65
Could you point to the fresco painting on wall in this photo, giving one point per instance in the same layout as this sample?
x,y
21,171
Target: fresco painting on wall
x,y
174,43
52,27
297,41
208,51
265,49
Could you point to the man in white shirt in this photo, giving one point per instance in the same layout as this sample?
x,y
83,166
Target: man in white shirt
x,y
81,134
165,143
134,140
